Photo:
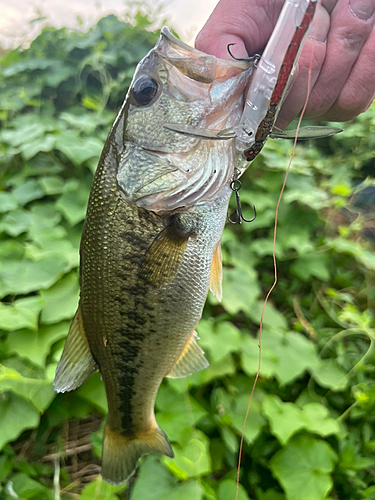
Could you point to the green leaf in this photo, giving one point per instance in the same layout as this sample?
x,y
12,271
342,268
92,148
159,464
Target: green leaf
x,y
76,148
227,489
8,202
73,205
283,355
178,412
61,299
39,392
154,481
13,318
192,459
100,490
329,374
311,265
25,487
15,222
255,420
318,420
240,290
16,415
27,276
36,345
93,391
303,468
44,144
219,339
28,191
287,419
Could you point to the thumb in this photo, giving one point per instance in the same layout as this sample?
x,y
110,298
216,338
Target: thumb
x,y
247,23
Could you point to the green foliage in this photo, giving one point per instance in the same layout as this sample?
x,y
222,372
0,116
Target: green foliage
x,y
310,432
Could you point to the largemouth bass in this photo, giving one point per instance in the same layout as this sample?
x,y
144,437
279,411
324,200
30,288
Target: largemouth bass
x,y
150,247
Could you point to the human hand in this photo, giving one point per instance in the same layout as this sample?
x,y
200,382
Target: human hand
x,y
343,40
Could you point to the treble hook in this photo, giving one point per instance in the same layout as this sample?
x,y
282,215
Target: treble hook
x,y
254,59
235,186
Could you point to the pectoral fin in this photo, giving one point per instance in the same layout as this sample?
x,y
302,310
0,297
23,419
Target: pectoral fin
x,y
76,364
164,256
216,277
191,359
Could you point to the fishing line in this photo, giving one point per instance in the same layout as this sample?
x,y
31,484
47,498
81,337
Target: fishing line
x,y
274,257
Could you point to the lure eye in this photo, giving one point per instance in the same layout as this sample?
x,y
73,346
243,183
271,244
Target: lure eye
x,y
144,90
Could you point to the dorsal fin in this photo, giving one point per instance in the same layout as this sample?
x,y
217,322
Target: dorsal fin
x,y
216,277
191,359
164,256
76,364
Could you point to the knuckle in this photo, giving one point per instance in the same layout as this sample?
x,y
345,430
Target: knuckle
x,y
353,39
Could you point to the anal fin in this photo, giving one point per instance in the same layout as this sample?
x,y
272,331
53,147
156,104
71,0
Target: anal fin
x,y
76,364
191,359
216,277
164,256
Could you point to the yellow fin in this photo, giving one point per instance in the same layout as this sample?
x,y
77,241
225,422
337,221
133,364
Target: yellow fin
x,y
121,454
216,277
164,256
191,360
76,364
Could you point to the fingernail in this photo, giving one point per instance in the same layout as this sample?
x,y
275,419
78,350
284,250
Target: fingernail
x,y
363,9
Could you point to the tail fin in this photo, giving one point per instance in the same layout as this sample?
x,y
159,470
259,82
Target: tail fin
x,y
121,454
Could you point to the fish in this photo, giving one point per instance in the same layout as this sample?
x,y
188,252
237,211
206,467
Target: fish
x,y
150,247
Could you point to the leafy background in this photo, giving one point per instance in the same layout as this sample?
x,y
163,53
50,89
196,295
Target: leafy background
x,y
310,432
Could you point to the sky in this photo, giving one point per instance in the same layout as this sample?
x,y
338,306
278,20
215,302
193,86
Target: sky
x,y
186,16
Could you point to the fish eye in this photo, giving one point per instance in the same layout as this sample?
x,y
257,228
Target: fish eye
x,y
144,90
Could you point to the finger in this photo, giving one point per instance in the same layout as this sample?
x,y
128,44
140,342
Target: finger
x,y
347,34
359,89
309,66
249,23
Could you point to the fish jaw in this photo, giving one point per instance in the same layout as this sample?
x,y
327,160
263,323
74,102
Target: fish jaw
x,y
194,89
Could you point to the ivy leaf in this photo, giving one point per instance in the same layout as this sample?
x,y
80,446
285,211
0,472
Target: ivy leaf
x,y
28,191
73,205
254,422
318,420
8,202
39,392
329,374
154,480
76,148
303,468
26,276
228,489
284,355
191,459
61,299
36,345
15,222
16,415
13,318
25,487
100,490
219,340
240,290
178,412
285,418
311,265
